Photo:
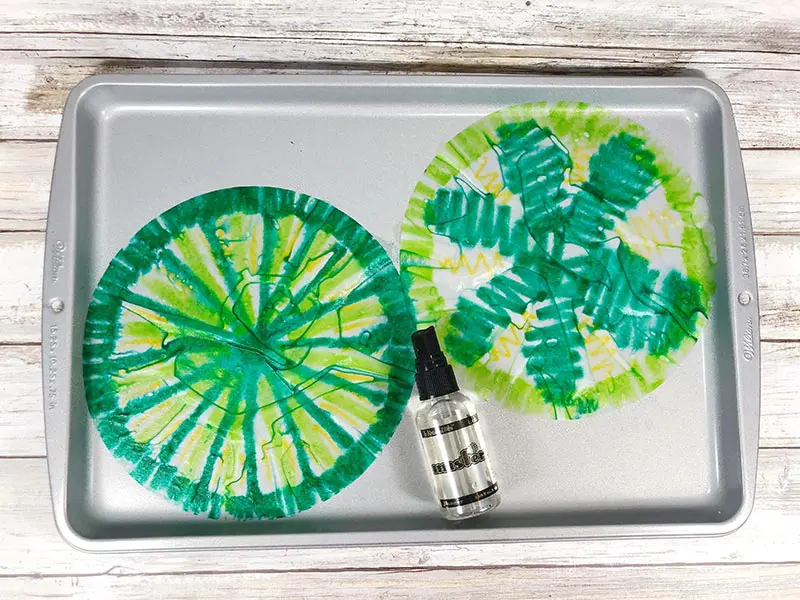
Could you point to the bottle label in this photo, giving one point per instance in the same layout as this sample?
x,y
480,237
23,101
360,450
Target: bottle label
x,y
469,498
450,427
461,472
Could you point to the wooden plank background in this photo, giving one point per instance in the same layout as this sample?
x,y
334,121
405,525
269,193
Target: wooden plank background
x,y
752,49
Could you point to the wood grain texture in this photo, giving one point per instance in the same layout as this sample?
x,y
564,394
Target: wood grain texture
x,y
21,418
762,582
29,544
22,422
25,172
353,52
21,258
20,297
780,395
777,260
773,184
752,49
715,24
33,91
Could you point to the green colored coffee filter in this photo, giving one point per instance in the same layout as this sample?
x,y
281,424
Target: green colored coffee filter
x,y
247,353
566,262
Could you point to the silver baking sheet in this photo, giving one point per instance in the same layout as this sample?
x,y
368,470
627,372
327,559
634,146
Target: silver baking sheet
x,y
680,462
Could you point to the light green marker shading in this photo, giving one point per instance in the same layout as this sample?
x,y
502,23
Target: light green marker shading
x,y
566,262
247,353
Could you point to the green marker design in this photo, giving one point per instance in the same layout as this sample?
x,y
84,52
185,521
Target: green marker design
x,y
247,353
566,262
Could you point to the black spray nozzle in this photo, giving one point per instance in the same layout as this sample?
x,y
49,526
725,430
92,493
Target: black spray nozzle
x,y
427,349
435,376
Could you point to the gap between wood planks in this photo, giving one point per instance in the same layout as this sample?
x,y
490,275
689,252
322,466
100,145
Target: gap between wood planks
x,y
437,54
113,572
743,582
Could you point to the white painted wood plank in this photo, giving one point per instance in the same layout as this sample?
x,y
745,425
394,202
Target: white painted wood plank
x,y
765,90
746,582
22,423
25,172
21,270
680,24
766,102
21,256
777,260
780,394
527,56
773,183
29,544
21,418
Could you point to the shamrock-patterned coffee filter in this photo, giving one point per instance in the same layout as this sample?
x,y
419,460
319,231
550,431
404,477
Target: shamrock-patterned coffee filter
x,y
247,353
566,261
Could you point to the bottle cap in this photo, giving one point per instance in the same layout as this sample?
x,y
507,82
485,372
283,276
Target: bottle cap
x,y
435,376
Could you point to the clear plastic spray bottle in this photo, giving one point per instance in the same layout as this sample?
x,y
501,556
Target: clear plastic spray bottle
x,y
455,449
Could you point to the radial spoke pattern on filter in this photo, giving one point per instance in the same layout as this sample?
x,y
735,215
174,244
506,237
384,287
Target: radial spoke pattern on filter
x,y
247,352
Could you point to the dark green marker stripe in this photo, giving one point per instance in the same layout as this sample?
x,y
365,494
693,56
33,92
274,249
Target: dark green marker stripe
x,y
203,498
